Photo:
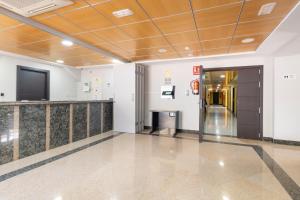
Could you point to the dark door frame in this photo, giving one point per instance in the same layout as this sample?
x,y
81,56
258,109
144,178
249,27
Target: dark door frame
x,y
47,72
261,68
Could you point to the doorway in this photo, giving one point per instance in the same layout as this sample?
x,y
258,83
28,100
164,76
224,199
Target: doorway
x,y
233,102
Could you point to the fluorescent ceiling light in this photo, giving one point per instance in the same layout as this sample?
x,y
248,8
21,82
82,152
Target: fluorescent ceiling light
x,y
266,9
248,40
122,13
116,61
60,61
222,76
67,43
162,50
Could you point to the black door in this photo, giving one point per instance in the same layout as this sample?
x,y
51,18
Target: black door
x,y
32,84
216,96
248,103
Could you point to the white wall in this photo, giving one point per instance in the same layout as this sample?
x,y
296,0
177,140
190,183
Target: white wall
x,y
63,80
181,74
287,98
101,80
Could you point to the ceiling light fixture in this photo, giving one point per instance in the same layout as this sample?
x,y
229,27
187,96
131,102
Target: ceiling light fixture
x,y
116,61
187,48
122,13
60,61
221,163
190,54
248,40
222,76
162,50
67,43
266,9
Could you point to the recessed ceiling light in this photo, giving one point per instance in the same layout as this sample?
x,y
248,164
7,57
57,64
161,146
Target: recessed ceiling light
x,y
162,50
187,48
266,9
60,61
248,40
116,61
67,43
122,13
221,163
225,198
222,76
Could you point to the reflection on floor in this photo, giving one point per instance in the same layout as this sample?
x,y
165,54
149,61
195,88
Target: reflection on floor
x,y
145,167
220,121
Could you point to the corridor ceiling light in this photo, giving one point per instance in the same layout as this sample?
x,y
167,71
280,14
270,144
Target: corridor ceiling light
x,y
221,163
187,48
162,50
122,13
67,43
266,9
222,76
248,40
60,61
116,61
219,85
225,198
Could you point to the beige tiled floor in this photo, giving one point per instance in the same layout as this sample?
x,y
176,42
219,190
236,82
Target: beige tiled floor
x,y
151,167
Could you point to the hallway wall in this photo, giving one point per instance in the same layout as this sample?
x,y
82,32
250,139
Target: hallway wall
x,y
181,75
63,80
287,98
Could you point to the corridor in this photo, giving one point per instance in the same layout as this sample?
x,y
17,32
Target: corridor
x,y
220,121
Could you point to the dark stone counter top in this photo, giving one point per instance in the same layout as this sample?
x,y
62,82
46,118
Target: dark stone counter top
x,y
20,103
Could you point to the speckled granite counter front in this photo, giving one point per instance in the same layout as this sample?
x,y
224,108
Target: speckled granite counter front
x,y
32,130
27,128
6,130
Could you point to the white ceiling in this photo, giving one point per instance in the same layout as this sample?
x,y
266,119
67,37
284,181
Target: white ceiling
x,y
285,40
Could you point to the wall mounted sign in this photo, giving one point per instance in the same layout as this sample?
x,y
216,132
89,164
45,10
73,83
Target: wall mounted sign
x,y
196,70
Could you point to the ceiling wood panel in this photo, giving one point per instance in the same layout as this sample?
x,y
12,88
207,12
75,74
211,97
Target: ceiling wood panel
x,y
216,44
209,52
257,39
218,16
205,4
154,24
162,8
87,18
108,7
243,48
141,30
112,34
255,27
217,32
183,37
144,43
177,23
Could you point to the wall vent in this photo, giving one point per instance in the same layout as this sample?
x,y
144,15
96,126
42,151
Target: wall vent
x,y
30,8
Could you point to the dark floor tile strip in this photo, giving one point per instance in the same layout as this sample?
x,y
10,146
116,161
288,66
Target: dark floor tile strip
x,y
284,179
54,158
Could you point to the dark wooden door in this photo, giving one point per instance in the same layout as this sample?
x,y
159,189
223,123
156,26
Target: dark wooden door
x,y
248,103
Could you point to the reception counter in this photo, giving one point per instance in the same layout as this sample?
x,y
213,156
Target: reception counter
x,y
27,128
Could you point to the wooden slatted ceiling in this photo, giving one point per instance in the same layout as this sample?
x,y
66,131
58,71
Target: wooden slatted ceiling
x,y
205,27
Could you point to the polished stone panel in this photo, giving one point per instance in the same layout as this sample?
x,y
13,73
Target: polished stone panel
x,y
145,167
59,125
32,130
107,116
95,118
79,121
6,133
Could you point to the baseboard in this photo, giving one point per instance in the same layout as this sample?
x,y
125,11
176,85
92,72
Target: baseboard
x,y
178,130
267,139
220,135
287,142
